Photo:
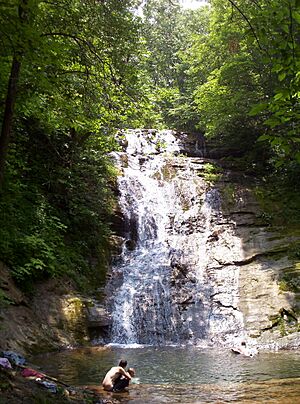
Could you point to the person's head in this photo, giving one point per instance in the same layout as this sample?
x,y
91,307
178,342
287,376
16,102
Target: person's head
x,y
131,371
243,343
123,363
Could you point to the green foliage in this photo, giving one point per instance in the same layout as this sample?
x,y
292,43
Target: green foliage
x,y
31,237
79,81
54,213
230,70
229,195
168,31
4,300
280,38
212,173
228,77
289,283
279,201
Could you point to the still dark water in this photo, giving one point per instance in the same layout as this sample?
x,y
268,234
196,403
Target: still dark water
x,y
183,375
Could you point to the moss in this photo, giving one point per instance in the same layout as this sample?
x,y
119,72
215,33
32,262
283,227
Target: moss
x,y
266,218
275,320
211,173
228,193
294,251
4,300
89,303
282,329
279,204
289,279
75,319
285,321
290,282
283,286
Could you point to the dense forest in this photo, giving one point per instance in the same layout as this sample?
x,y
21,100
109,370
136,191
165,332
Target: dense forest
x,y
73,73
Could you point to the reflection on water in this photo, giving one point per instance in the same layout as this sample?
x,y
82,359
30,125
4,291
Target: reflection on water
x,y
185,375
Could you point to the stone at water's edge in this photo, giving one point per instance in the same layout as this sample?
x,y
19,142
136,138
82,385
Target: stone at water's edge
x,y
225,265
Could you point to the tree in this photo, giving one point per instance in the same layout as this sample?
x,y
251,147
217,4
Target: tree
x,y
279,34
77,82
269,39
77,63
168,32
21,24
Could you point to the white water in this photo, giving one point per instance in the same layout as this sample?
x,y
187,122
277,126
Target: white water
x,y
169,213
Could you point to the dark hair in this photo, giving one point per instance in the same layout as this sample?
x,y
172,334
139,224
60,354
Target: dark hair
x,y
243,343
131,371
123,363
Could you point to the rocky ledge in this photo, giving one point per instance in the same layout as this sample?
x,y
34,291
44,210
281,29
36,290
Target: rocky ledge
x,y
55,317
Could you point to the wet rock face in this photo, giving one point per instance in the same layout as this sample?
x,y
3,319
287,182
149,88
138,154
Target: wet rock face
x,y
56,316
188,144
198,265
37,324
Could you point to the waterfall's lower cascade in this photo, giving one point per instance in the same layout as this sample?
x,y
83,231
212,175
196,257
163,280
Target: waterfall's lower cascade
x,y
163,287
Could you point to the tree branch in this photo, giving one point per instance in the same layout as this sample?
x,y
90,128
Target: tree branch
x,y
90,47
249,23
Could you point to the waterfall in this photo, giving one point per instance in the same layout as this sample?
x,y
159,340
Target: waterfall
x,y
159,287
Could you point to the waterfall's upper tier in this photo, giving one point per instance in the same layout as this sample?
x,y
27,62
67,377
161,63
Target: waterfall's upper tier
x,y
153,141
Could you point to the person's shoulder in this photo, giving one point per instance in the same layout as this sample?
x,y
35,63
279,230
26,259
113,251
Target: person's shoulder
x,y
116,369
113,369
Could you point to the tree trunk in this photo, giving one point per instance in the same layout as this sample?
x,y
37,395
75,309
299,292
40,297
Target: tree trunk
x,y
8,114
11,95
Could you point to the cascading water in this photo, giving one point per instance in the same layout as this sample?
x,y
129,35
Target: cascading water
x,y
161,286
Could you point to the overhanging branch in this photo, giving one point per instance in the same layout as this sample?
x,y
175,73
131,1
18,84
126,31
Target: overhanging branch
x,y
248,22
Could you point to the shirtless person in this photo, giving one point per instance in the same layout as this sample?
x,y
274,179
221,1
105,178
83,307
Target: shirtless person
x,y
113,374
121,383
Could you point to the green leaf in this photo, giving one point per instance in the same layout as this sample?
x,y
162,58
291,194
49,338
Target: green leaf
x,y
272,122
276,141
286,28
297,157
277,68
256,109
279,163
286,148
263,138
281,76
296,16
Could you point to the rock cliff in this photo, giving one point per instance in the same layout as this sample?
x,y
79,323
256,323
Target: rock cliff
x,y
232,273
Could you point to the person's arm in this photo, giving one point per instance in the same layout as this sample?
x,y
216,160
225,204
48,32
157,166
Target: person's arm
x,y
124,373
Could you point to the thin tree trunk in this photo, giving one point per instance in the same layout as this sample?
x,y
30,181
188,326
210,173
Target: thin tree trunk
x,y
11,95
8,114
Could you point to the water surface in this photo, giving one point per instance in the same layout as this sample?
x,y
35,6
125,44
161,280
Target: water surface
x,y
183,375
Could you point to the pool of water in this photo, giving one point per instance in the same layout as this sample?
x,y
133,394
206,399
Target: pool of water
x,y
183,375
